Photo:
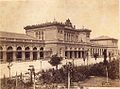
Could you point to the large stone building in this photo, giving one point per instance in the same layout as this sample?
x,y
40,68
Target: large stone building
x,y
43,40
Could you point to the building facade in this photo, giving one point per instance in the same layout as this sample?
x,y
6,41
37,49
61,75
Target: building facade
x,y
43,40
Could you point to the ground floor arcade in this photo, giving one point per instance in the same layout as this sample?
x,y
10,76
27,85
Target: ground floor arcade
x,y
23,55
35,53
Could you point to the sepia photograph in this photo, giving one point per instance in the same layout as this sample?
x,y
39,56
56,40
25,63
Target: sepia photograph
x,y
59,44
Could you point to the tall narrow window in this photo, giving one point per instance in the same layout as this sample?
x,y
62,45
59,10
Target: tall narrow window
x,y
39,35
19,54
36,34
9,54
35,53
27,53
41,52
1,52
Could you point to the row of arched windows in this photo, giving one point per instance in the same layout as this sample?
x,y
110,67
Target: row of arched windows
x,y
19,53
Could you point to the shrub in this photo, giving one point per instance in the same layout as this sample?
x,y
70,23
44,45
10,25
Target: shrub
x,y
113,69
82,72
98,70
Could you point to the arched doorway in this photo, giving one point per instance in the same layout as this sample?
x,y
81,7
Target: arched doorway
x,y
34,53
9,54
1,53
27,53
19,54
41,53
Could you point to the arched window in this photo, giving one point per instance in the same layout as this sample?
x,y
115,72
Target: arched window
x,y
41,52
1,53
9,54
27,53
9,48
19,54
34,53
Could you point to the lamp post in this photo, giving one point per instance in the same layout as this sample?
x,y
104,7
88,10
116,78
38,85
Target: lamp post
x,y
68,79
16,80
9,67
106,66
69,67
32,72
68,74
40,64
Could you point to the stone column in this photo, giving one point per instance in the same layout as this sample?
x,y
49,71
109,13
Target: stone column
x,y
23,55
38,55
100,52
44,54
65,37
73,54
80,54
31,55
68,53
4,56
14,55
77,54
69,37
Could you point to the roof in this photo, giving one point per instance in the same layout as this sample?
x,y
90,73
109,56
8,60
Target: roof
x,y
15,35
47,24
84,30
103,38
43,25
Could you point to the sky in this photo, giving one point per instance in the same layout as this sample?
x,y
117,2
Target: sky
x,y
101,16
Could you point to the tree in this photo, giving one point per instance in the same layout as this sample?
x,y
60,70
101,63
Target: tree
x,y
55,60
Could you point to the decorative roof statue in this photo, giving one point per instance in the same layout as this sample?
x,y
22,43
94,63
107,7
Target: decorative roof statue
x,y
68,23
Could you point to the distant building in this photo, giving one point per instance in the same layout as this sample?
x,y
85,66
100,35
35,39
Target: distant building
x,y
43,40
111,44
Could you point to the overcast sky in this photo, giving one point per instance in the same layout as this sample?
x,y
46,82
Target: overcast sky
x,y
101,16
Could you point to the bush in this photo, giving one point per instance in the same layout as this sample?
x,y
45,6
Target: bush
x,y
81,73
61,75
113,69
98,70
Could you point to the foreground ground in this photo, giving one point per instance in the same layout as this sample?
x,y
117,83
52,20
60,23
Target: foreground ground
x,y
91,81
99,82
95,81
38,65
